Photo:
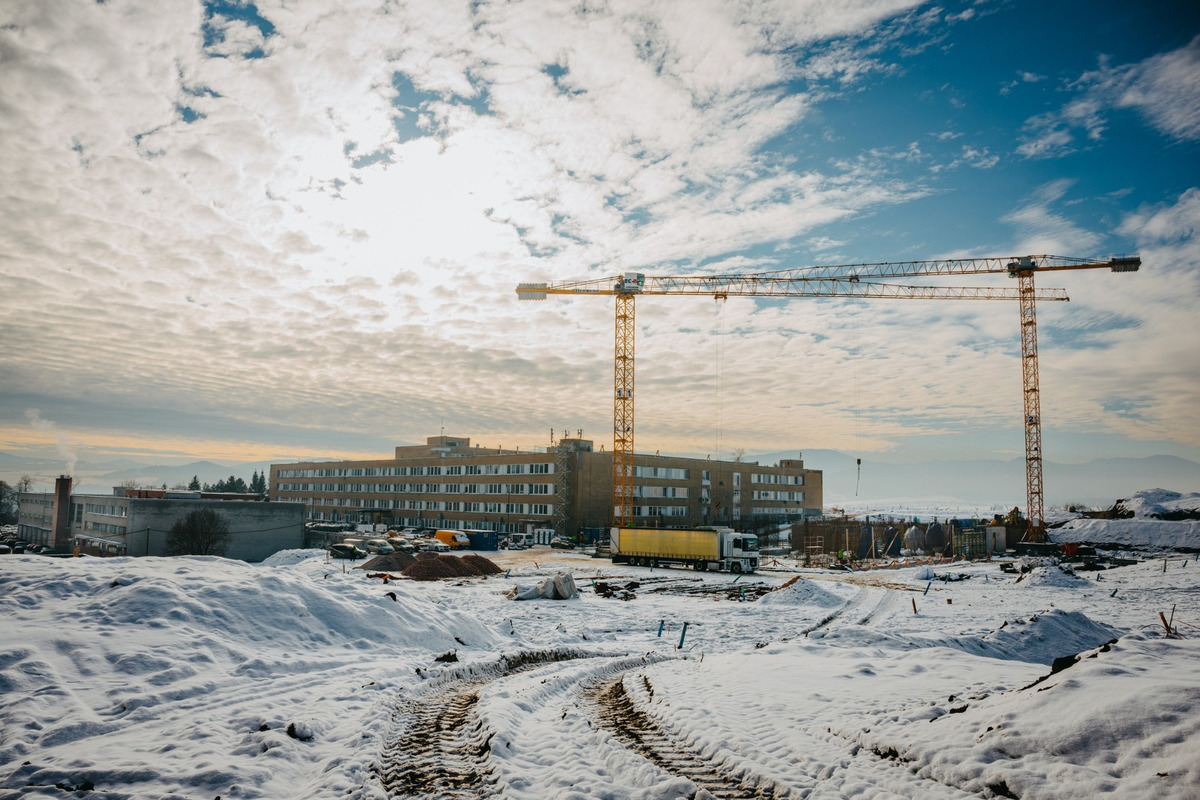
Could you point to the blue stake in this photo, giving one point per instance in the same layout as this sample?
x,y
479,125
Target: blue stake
x,y
739,577
661,623
682,634
927,587
506,573
1114,593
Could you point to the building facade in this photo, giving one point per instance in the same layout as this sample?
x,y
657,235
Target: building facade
x,y
136,522
448,483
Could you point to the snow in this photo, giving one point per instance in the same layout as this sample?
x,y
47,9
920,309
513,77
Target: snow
x,y
1158,502
302,676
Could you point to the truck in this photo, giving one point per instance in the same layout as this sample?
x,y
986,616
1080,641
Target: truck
x,y
714,548
456,540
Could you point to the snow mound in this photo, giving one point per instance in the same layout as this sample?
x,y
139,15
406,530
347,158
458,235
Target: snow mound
x,y
1041,638
1058,577
1132,534
800,592
286,558
1162,504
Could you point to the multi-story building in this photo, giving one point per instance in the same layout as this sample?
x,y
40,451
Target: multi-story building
x,y
136,522
448,483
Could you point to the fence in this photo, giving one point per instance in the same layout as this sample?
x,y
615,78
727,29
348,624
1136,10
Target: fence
x,y
816,540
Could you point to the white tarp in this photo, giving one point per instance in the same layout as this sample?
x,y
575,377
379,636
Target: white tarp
x,y
559,587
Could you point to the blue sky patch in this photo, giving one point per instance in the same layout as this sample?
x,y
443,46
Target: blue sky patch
x,y
246,12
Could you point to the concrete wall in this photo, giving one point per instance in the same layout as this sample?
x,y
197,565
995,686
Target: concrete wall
x,y
258,529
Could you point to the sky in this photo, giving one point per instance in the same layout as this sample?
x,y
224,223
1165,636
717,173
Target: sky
x,y
302,676
279,231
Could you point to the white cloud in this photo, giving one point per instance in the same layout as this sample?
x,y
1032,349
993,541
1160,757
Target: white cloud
x,y
239,268
1042,231
1165,89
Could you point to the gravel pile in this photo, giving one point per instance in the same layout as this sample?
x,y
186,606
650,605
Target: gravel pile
x,y
485,565
432,567
388,562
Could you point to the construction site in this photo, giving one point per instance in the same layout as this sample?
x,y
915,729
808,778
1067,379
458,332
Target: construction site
x,y
881,281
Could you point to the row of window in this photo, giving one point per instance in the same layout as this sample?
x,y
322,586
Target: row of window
x,y
419,488
103,527
659,511
660,491
516,526
669,473
789,480
763,494
106,510
771,511
418,471
452,506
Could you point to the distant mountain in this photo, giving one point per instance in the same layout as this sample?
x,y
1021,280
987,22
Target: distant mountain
x,y
1001,483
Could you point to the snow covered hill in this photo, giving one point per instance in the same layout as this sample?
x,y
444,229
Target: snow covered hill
x,y
303,677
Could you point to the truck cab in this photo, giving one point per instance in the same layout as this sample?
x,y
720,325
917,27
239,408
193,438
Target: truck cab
x,y
741,549
455,540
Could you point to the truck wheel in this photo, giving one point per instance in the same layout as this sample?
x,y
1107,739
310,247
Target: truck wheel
x,y
736,567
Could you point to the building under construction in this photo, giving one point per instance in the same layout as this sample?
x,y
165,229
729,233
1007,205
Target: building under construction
x,y
450,483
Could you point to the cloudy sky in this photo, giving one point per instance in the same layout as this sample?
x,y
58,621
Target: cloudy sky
x,y
280,230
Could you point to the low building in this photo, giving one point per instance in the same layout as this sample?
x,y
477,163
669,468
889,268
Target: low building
x,y
450,483
136,522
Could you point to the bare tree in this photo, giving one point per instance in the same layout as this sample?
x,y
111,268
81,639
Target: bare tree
x,y
201,533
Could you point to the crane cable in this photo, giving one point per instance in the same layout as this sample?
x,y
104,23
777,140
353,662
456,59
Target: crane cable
x,y
857,410
720,371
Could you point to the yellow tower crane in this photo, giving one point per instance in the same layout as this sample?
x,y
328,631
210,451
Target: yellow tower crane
x,y
843,280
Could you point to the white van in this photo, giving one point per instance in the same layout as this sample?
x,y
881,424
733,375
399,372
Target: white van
x,y
519,541
380,546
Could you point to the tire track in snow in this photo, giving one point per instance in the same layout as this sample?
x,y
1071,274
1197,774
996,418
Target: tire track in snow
x,y
440,754
441,748
819,764
441,743
852,613
639,732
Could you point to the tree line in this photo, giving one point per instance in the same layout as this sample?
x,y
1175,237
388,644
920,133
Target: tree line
x,y
233,484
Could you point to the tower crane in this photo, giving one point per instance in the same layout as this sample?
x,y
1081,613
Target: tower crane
x,y
843,280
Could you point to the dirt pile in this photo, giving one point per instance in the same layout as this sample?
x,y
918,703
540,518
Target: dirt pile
x,y
388,562
484,565
432,567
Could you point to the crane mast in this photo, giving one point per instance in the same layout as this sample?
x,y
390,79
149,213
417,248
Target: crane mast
x,y
843,280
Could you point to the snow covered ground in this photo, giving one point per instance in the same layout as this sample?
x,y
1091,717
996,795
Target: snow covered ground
x,y
302,677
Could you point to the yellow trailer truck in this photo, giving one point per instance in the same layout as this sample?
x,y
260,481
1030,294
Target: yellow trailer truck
x,y
715,548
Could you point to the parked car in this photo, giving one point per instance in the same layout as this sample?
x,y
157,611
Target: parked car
x,y
344,550
435,546
562,543
380,546
404,545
